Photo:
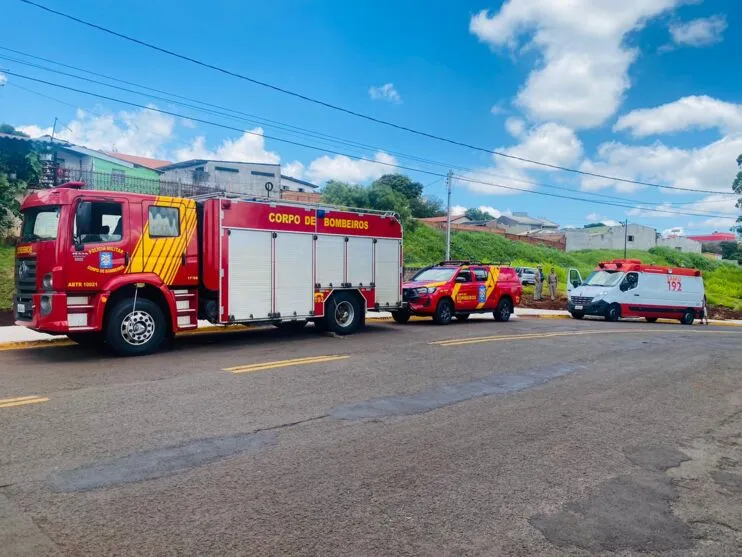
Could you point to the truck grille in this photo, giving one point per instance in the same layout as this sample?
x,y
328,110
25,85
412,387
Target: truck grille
x,y
409,294
25,286
581,300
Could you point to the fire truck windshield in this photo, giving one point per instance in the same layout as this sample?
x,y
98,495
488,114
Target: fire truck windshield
x,y
443,274
40,223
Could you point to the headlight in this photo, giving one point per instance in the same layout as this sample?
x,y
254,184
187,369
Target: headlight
x,y
46,305
422,291
46,282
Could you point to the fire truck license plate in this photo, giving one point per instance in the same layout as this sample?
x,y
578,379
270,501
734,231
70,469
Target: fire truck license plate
x,y
578,307
21,308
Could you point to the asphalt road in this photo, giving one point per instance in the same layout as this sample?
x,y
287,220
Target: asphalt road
x,y
535,437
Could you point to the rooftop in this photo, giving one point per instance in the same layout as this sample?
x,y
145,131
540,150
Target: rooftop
x,y
152,164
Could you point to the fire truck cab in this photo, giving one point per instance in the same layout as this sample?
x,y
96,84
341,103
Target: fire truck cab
x,y
458,289
131,270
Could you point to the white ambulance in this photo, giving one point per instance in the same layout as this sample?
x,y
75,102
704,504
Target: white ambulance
x,y
629,288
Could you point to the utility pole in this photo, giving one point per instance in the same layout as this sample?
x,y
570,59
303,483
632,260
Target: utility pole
x,y
449,175
625,237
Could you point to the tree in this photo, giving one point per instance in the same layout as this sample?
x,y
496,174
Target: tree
x,y
478,215
19,166
737,187
728,249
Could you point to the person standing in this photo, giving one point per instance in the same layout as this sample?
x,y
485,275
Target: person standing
x,y
538,283
705,318
552,281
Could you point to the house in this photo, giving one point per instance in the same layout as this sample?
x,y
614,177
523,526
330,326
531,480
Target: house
x,y
441,221
715,238
146,162
520,222
635,236
294,184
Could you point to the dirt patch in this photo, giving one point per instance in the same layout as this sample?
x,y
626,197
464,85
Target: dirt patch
x,y
527,301
718,312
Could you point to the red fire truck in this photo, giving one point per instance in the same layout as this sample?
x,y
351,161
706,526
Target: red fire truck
x,y
132,270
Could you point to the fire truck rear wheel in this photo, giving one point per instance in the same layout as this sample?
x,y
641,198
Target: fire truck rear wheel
x,y
343,313
135,331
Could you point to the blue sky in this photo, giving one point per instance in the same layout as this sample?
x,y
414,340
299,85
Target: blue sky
x,y
641,89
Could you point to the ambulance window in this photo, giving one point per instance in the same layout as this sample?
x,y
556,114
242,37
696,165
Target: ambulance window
x,y
630,282
164,222
98,221
480,275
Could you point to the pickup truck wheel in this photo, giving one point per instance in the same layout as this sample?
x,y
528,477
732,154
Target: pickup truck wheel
x,y
443,312
135,330
401,316
343,314
578,315
688,317
613,313
503,310
463,316
87,339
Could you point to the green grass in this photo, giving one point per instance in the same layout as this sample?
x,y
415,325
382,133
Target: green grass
x,y
6,277
424,246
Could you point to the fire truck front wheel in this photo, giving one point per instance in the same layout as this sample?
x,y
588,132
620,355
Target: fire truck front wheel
x,y
135,330
343,313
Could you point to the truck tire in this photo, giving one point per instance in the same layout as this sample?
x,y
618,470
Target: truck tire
x,y
578,315
688,317
135,331
443,312
343,313
613,313
463,316
503,310
87,339
401,316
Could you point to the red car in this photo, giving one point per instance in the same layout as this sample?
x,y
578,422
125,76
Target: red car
x,y
458,289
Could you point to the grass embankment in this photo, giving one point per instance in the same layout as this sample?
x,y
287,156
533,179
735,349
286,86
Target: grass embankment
x,y
7,284
424,245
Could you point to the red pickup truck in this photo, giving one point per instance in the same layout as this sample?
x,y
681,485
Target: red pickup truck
x,y
458,289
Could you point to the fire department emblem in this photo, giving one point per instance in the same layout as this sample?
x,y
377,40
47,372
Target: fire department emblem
x,y
105,260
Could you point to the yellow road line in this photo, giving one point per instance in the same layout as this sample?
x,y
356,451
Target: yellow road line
x,y
284,363
536,336
21,401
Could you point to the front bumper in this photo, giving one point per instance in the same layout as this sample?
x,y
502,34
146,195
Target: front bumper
x,y
591,308
66,313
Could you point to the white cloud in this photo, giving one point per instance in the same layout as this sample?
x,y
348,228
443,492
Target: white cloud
x,y
142,132
3,79
721,224
249,147
583,73
345,169
515,126
693,112
550,143
458,210
708,167
293,169
188,123
34,131
699,32
717,204
597,218
385,92
499,108
490,211
674,231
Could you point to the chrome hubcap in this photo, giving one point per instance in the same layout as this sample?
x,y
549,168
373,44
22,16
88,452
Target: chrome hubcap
x,y
137,328
344,313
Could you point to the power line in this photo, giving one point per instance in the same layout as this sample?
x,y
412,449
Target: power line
x,y
347,110
333,152
288,127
